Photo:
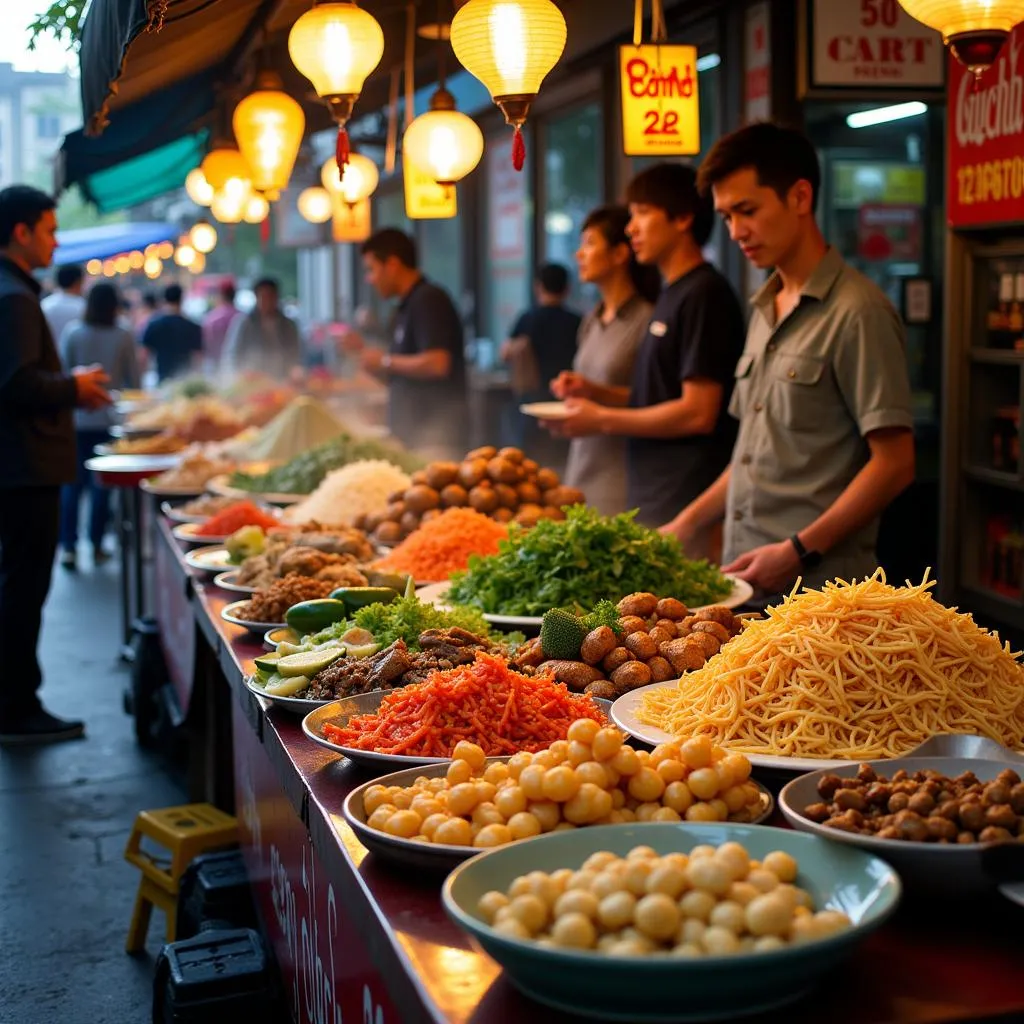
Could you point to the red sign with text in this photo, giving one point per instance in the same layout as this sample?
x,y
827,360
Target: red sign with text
x,y
986,140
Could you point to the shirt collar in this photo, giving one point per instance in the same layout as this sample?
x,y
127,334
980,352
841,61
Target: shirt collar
x,y
816,287
11,267
623,311
404,301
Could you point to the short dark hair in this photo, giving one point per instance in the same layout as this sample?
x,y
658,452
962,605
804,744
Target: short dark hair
x,y
173,294
68,275
267,282
21,204
612,221
227,291
101,305
150,301
553,278
779,155
392,242
673,188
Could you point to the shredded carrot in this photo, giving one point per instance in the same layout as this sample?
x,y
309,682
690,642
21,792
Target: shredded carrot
x,y
486,703
234,517
442,545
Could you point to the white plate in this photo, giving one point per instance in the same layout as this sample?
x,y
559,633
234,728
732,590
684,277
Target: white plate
x,y
227,613
160,490
436,593
273,637
338,713
174,513
187,533
624,715
220,485
226,581
297,705
213,559
546,410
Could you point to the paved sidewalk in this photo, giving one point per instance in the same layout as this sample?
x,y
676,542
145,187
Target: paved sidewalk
x,y
66,893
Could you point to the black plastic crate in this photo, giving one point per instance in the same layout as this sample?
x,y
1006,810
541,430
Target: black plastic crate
x,y
201,979
215,888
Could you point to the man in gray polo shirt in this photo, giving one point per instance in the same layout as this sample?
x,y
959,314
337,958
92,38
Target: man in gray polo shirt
x,y
822,392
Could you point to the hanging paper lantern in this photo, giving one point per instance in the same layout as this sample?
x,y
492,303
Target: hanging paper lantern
x,y
336,45
445,143
136,259
975,30
109,269
165,250
510,45
230,202
315,205
153,267
269,126
222,163
184,255
358,182
199,190
198,264
95,267
256,209
203,236
122,264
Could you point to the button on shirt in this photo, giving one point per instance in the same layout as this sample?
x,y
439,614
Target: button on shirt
x,y
808,390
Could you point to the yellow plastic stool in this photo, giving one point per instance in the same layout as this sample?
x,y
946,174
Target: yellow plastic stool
x,y
185,832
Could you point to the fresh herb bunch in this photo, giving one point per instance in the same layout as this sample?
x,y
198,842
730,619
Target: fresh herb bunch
x,y
405,618
304,473
577,563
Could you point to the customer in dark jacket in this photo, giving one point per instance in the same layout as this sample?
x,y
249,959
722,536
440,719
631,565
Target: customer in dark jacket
x,y
37,441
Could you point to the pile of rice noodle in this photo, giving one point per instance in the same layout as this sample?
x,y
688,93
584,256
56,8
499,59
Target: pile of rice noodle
x,y
360,488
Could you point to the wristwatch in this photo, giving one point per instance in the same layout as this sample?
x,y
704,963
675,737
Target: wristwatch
x,y
808,559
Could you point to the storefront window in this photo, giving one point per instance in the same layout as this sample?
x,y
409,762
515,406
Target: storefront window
x,y
572,184
506,247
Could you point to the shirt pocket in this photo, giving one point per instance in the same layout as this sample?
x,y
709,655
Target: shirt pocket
x,y
741,387
799,399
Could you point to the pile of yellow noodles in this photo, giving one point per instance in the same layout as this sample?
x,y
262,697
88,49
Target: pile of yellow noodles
x,y
860,670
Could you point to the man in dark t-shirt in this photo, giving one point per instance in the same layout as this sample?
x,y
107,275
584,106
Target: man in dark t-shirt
x,y
175,341
425,368
674,415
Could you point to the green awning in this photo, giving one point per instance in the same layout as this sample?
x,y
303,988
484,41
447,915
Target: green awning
x,y
147,176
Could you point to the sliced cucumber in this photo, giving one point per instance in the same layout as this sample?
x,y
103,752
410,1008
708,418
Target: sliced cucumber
x,y
307,663
287,687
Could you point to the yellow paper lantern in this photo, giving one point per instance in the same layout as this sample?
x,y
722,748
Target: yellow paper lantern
x,y
336,45
256,209
165,250
94,267
199,190
136,259
153,267
223,163
443,142
975,30
198,264
229,203
358,182
122,264
269,126
511,46
109,268
315,205
184,255
203,236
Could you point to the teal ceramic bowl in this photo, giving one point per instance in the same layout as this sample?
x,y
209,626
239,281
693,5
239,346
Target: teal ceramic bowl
x,y
660,988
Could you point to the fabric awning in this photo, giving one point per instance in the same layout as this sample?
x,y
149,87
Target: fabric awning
x,y
100,243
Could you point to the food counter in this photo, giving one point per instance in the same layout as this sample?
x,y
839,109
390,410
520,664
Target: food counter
x,y
357,939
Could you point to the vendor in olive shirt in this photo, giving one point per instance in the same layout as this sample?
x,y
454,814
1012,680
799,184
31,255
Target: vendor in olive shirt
x,y
425,368
822,392
674,415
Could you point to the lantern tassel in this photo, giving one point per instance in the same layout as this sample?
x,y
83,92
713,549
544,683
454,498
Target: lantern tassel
x,y
342,150
265,231
518,149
